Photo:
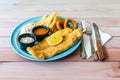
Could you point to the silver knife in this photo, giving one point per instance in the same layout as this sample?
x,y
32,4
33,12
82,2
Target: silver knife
x,y
98,42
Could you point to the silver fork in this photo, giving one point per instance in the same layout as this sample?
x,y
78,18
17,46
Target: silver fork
x,y
89,32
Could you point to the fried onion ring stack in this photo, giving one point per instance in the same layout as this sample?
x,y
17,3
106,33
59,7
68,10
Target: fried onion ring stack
x,y
61,23
67,21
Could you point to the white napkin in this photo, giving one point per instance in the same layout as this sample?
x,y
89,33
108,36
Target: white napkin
x,y
86,39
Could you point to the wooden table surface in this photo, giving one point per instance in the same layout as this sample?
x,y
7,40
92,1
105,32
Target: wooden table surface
x,y
106,13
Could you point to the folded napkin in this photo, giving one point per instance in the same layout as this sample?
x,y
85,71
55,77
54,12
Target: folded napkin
x,y
86,39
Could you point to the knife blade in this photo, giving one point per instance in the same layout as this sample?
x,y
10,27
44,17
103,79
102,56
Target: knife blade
x,y
98,42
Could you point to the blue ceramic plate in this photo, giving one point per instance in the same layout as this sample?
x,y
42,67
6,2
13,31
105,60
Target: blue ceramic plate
x,y
25,54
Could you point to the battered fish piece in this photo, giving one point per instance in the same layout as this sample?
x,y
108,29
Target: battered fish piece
x,y
43,50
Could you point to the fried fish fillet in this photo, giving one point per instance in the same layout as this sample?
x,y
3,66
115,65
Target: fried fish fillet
x,y
43,50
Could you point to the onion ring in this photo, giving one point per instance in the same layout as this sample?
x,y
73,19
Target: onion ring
x,y
60,24
66,24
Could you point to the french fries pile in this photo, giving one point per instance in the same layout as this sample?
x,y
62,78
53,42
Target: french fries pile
x,y
49,21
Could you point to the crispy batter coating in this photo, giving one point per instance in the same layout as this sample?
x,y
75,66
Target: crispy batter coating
x,y
43,50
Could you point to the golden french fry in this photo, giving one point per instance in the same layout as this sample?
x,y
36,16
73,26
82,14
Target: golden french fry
x,y
51,17
49,21
55,29
52,29
43,20
53,23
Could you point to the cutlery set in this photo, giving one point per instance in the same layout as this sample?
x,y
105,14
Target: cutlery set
x,y
87,30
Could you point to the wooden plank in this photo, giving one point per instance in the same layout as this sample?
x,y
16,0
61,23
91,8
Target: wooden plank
x,y
110,26
104,22
109,22
59,71
111,54
5,42
21,8
114,42
111,49
10,55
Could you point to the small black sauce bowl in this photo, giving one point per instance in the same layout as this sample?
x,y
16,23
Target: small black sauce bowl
x,y
41,37
25,45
